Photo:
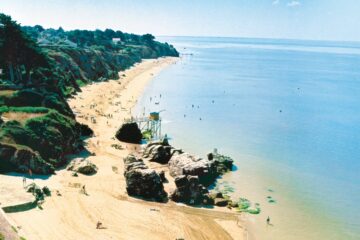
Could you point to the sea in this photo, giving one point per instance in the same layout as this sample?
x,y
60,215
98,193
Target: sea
x,y
286,111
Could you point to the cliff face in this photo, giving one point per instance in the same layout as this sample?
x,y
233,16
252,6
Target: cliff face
x,y
37,126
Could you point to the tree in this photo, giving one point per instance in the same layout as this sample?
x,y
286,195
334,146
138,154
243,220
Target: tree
x,y
148,38
18,51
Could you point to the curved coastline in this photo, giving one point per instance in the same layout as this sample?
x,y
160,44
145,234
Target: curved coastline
x,y
124,217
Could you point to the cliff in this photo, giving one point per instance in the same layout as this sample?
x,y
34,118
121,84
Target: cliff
x,y
40,68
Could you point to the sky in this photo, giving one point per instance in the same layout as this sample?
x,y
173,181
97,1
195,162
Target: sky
x,y
289,19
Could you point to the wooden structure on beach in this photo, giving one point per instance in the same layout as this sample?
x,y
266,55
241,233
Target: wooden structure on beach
x,y
150,124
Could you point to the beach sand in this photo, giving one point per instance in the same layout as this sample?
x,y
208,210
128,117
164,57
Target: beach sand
x,y
74,215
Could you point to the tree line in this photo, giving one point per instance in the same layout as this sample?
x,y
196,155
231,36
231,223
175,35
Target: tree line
x,y
19,53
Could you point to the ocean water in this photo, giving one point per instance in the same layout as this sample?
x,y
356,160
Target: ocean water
x,y
287,111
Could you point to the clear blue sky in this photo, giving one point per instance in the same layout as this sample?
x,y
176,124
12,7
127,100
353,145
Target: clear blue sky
x,y
301,19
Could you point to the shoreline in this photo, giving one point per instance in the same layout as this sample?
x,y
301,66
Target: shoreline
x,y
124,217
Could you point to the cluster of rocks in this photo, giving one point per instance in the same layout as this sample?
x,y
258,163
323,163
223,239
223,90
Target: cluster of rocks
x,y
181,163
82,165
206,169
142,181
192,174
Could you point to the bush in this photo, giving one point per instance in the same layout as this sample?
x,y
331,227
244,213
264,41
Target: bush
x,y
25,97
52,135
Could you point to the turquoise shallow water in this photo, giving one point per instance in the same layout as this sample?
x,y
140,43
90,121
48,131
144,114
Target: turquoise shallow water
x,y
287,111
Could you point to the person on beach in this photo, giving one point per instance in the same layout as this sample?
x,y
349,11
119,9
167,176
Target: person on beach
x,y
268,220
24,181
98,225
83,190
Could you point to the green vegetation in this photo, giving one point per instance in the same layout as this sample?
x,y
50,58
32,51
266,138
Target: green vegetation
x,y
147,135
255,210
224,187
270,199
14,228
2,237
244,205
40,69
20,55
5,109
48,138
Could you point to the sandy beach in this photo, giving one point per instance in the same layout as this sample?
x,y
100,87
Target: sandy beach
x,y
104,106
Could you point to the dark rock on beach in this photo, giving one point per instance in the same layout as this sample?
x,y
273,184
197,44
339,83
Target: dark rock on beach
x,y
160,152
189,190
142,181
221,202
222,163
129,132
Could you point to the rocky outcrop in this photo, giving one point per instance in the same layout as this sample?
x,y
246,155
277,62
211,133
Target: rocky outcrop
x,y
187,164
189,190
206,169
129,132
222,163
81,165
193,174
160,152
142,181
22,159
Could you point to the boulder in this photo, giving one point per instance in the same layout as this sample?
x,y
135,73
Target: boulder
x,y
142,181
130,133
160,152
222,163
162,176
82,165
189,190
215,194
221,202
186,164
157,152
